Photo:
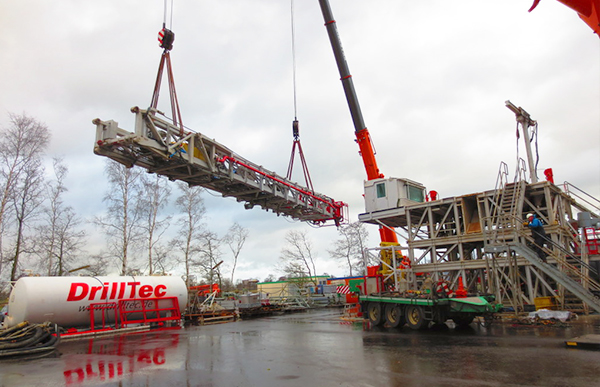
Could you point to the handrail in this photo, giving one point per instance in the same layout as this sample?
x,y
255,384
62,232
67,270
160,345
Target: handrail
x,y
522,233
502,175
521,173
582,195
501,181
336,206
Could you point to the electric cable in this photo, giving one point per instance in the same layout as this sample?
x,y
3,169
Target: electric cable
x,y
518,137
537,151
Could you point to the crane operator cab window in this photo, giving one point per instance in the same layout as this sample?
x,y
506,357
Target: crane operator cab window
x,y
415,194
380,190
383,194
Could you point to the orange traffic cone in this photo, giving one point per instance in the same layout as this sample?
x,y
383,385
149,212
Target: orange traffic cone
x,y
461,292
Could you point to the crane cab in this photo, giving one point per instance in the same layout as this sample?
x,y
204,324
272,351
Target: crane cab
x,y
387,193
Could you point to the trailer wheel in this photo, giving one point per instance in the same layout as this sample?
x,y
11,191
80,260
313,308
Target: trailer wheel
x,y
487,320
463,320
415,317
393,315
374,312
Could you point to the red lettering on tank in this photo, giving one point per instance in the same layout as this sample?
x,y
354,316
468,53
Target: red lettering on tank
x,y
145,291
133,286
113,291
158,292
78,287
104,291
93,292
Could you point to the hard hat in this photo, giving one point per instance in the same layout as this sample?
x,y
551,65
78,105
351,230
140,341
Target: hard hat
x,y
529,215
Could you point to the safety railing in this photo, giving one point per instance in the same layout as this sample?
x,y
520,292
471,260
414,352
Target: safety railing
x,y
577,193
103,308
149,310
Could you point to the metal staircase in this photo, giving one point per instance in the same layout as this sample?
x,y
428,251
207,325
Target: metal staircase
x,y
507,235
560,277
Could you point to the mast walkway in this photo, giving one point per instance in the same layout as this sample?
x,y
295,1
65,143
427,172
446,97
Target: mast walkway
x,y
163,148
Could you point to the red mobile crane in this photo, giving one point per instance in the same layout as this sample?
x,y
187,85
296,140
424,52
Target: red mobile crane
x,y
382,302
361,132
381,298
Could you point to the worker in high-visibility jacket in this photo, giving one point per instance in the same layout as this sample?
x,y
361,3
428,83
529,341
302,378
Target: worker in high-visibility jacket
x,y
538,233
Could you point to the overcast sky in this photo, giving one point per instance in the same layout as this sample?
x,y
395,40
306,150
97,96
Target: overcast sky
x,y
431,77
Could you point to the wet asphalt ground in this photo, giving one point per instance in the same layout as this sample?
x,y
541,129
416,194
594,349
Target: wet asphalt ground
x,y
317,348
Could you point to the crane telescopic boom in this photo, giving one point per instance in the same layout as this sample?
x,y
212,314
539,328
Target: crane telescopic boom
x,y
360,129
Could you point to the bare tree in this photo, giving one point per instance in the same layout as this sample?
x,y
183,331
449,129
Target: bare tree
x,y
298,256
27,199
191,205
163,260
21,143
349,248
57,240
270,278
96,265
235,239
154,196
122,222
210,257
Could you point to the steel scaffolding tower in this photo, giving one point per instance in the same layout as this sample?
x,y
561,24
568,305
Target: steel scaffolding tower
x,y
481,238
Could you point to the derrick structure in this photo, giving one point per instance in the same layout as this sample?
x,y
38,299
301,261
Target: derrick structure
x,y
481,239
164,148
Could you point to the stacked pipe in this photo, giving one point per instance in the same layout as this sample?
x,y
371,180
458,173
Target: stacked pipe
x,y
28,339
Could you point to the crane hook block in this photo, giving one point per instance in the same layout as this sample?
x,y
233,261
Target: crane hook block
x,y
166,38
296,129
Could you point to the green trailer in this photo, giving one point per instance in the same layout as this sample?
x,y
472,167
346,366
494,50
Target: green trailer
x,y
420,310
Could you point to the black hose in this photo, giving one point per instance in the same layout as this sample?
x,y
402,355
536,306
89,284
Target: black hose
x,y
39,333
29,340
23,334
10,330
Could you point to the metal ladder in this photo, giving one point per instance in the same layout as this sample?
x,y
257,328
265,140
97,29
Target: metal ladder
x,y
508,235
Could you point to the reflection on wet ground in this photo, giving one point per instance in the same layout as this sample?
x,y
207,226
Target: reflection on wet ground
x,y
317,348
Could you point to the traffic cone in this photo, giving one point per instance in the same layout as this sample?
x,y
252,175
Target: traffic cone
x,y
461,292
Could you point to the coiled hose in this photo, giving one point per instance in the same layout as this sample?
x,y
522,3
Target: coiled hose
x,y
28,339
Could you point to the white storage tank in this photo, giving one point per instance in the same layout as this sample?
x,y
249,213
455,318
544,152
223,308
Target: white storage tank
x,y
66,300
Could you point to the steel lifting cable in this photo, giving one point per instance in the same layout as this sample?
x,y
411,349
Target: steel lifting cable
x,y
165,15
294,60
296,124
166,38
